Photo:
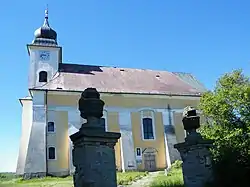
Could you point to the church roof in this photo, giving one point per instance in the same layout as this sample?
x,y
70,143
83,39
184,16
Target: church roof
x,y
74,77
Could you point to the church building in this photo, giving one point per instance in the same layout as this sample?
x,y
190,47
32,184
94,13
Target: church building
x,y
145,106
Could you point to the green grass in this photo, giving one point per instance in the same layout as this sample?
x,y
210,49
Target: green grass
x,y
9,180
6,176
38,182
129,177
174,177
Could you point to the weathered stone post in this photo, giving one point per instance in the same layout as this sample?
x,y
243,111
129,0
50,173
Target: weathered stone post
x,y
93,152
197,166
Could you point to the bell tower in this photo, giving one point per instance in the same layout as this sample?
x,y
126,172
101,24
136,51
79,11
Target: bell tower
x,y
45,55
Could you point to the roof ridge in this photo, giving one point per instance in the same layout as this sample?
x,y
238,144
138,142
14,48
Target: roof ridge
x,y
182,72
115,67
73,64
193,79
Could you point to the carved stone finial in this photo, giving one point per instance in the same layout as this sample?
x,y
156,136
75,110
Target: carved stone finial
x,y
190,119
90,104
189,111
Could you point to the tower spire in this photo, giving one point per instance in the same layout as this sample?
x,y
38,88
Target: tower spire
x,y
45,35
46,20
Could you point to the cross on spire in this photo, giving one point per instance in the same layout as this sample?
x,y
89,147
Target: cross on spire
x,y
47,12
46,20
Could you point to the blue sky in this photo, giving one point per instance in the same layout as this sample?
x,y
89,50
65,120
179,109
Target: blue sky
x,y
205,38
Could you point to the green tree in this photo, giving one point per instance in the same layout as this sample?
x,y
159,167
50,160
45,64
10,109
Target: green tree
x,y
227,109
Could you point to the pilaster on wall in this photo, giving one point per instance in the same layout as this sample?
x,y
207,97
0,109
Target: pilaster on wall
x,y
170,137
36,153
74,121
165,119
24,141
127,144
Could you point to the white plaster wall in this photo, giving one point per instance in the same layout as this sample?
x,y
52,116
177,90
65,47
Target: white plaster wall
x,y
72,130
36,158
32,72
75,122
36,65
171,137
127,144
25,135
165,119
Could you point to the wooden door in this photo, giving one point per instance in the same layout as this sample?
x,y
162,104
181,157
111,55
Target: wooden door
x,y
149,162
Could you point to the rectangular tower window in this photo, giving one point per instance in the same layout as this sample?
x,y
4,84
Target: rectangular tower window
x,y
51,126
51,153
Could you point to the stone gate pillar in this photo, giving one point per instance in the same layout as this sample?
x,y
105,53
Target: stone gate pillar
x,y
197,165
93,152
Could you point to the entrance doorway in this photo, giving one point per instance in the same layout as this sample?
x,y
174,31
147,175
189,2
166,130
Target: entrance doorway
x,y
149,162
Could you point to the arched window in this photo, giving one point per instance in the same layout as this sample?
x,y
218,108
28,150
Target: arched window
x,y
148,131
52,153
51,127
43,76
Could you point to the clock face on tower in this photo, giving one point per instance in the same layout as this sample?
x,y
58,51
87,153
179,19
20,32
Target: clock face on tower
x,y
44,55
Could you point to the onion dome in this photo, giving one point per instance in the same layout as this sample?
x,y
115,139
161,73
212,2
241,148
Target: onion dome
x,y
45,35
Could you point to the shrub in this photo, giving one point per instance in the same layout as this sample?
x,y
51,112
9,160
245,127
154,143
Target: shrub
x,y
227,109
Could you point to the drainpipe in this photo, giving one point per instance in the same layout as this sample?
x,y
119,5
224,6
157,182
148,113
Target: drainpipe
x,y
46,125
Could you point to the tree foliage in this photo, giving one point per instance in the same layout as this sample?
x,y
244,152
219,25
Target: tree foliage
x,y
227,109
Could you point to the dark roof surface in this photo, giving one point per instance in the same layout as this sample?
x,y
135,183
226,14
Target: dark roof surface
x,y
45,35
74,77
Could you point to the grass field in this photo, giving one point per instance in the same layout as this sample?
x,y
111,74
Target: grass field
x,y
128,177
174,177
8,180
